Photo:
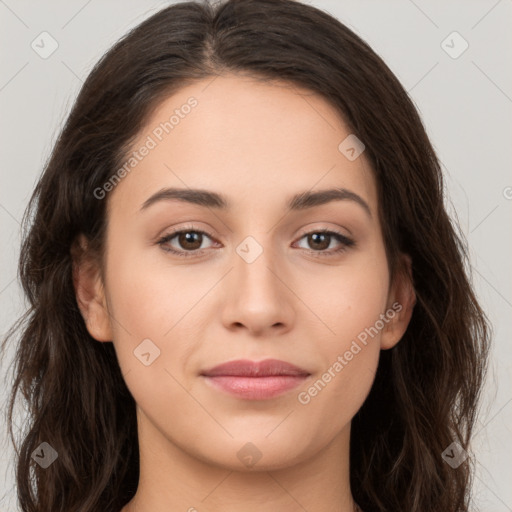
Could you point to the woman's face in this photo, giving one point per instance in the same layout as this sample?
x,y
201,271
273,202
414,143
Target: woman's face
x,y
263,283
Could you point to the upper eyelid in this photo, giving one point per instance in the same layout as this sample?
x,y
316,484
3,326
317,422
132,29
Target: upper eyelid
x,y
344,241
331,231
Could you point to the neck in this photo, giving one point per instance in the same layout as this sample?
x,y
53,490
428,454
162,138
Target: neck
x,y
172,479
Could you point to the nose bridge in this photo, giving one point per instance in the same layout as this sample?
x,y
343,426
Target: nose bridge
x,y
257,297
255,265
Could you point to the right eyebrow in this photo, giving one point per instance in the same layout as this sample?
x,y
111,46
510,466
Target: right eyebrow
x,y
194,196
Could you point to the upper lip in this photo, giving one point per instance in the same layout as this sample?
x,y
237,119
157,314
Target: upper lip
x,y
247,368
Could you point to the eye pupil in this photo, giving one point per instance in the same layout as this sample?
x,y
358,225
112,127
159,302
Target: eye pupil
x,y
190,237
322,237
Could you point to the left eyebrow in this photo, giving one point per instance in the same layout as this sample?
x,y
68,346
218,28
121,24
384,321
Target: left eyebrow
x,y
301,201
309,199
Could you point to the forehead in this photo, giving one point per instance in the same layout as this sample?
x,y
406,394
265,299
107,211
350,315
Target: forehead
x,y
256,143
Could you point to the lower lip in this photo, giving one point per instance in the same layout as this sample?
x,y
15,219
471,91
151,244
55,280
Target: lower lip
x,y
256,388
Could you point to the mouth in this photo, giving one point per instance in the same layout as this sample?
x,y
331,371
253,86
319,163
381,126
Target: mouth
x,y
251,380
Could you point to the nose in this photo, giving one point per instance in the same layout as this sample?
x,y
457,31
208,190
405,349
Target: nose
x,y
257,295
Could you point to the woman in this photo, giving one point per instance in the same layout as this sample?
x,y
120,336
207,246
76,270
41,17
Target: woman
x,y
245,290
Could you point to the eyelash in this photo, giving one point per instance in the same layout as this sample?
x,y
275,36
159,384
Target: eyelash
x,y
345,243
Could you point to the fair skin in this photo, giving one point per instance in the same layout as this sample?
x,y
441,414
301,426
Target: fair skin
x,y
258,145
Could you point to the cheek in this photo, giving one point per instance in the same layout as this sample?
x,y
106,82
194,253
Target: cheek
x,y
349,298
352,306
153,336
147,295
158,317
339,390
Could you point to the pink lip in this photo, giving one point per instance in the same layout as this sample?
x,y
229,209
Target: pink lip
x,y
253,380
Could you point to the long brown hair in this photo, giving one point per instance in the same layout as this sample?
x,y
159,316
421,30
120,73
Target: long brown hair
x,y
426,389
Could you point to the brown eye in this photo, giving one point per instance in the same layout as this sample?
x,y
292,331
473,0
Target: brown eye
x,y
191,240
319,241
186,242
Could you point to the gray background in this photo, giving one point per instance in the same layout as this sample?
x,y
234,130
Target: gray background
x,y
465,102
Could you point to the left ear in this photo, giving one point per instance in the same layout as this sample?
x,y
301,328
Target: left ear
x,y
401,301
